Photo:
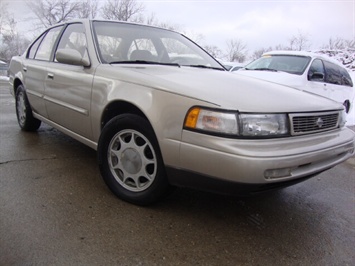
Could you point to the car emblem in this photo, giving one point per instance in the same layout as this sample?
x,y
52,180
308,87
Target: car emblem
x,y
319,122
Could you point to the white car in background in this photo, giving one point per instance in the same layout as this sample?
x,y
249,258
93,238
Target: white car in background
x,y
306,71
232,66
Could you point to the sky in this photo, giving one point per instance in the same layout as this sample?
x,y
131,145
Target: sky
x,y
259,24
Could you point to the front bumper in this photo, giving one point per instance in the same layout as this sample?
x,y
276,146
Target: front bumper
x,y
258,162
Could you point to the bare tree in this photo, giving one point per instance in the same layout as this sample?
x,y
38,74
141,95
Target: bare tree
x,y
150,19
167,25
50,12
281,47
88,9
338,44
213,50
125,10
259,52
333,44
3,14
299,42
12,43
236,51
350,43
153,21
194,36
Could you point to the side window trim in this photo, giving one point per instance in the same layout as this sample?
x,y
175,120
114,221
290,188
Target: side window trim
x,y
39,40
55,45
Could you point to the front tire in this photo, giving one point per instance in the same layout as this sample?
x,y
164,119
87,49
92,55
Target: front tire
x,y
25,118
130,160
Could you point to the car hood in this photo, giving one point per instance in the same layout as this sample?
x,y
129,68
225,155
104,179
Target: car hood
x,y
224,89
278,77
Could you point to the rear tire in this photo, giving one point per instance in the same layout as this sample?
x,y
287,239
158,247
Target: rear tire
x,y
130,160
25,118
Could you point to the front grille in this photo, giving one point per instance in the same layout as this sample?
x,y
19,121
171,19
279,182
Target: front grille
x,y
313,122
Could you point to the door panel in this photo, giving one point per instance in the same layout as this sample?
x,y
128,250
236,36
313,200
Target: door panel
x,y
68,97
34,76
317,84
68,87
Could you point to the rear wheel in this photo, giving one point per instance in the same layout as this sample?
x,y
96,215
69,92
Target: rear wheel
x,y
24,112
130,161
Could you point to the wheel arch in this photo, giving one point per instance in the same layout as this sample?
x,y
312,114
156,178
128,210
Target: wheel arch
x,y
120,107
16,84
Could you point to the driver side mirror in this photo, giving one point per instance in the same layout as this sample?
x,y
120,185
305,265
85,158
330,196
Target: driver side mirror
x,y
316,76
71,57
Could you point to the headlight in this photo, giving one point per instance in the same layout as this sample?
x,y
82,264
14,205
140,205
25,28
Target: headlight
x,y
263,124
211,121
244,125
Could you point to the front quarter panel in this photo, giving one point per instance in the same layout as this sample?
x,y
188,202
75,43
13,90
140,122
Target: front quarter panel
x,y
15,73
164,110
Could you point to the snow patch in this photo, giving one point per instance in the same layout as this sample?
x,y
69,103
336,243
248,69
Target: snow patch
x,y
345,57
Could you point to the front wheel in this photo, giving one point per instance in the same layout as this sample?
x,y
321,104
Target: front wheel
x,y
24,112
130,161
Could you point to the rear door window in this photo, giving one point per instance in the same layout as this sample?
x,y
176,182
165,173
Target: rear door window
x,y
345,78
45,49
332,73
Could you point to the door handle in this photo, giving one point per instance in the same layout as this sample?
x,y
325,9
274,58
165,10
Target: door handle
x,y
24,69
50,76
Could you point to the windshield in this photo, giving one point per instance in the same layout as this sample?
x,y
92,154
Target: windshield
x,y
287,63
130,43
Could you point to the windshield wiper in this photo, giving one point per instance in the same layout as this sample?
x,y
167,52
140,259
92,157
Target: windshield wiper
x,y
262,69
143,62
204,66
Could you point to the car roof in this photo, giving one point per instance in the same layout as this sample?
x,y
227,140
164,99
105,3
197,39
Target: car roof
x,y
86,20
304,53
